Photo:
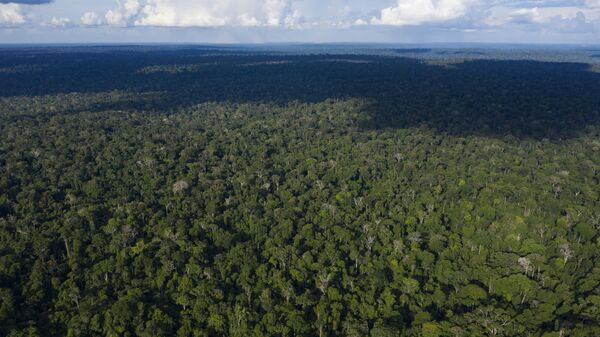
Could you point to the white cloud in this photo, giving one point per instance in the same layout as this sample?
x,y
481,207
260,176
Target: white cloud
x,y
205,13
273,9
248,21
122,15
90,19
11,14
114,18
416,12
57,22
322,16
293,20
567,19
183,13
500,16
360,22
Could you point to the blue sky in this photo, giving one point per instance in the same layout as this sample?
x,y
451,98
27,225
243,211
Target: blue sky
x,y
262,21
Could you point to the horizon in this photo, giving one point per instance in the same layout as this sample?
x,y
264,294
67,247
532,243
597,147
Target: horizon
x,y
450,44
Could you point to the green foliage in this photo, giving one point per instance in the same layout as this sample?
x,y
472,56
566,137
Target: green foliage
x,y
470,295
274,195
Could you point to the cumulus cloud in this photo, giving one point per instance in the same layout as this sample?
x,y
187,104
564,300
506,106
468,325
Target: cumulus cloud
x,y
204,13
499,16
186,13
576,24
576,16
90,19
57,22
123,14
274,10
560,19
416,12
11,14
248,21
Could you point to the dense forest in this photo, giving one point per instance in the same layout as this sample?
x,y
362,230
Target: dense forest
x,y
206,191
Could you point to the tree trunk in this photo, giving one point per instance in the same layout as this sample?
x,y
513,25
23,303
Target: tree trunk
x,y
67,248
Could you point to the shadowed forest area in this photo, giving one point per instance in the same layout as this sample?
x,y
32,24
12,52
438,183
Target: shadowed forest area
x,y
226,191
465,97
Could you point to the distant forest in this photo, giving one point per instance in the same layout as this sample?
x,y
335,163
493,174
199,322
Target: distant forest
x,y
231,191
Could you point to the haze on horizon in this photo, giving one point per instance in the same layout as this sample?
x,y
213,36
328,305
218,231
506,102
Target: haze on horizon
x,y
267,21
